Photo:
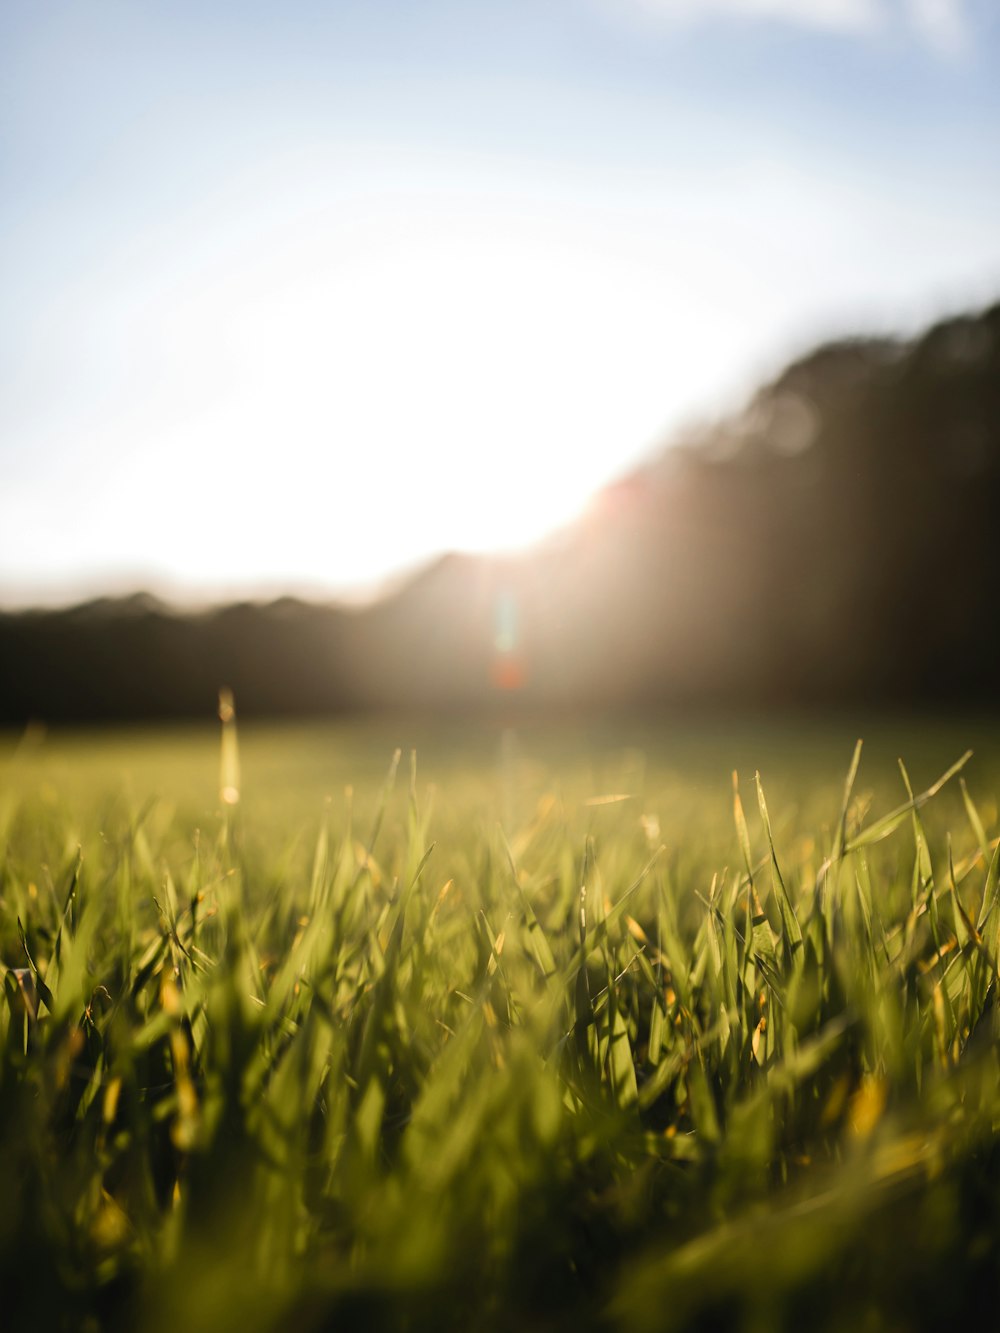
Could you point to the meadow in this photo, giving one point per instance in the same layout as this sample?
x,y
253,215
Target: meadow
x,y
624,1024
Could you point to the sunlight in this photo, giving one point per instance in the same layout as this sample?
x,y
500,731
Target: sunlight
x,y
484,373
340,401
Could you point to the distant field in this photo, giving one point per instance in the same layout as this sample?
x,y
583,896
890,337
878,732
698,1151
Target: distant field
x,y
674,767
541,1033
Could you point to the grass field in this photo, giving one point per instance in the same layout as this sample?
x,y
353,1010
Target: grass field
x,y
545,1030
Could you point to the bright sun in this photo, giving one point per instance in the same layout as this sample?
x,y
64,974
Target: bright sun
x,y
332,399
404,391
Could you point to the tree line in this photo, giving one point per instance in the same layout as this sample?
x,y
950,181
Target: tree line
x,y
835,541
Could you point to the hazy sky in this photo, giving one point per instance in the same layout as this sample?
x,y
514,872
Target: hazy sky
x,y
296,294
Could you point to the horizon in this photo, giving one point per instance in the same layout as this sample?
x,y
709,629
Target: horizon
x,y
179,599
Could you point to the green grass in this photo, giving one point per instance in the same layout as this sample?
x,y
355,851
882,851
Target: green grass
x,y
544,1032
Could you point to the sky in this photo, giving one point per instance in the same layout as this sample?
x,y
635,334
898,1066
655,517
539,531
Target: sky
x,y
294,296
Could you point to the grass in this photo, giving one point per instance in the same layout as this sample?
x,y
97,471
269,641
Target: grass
x,y
557,1030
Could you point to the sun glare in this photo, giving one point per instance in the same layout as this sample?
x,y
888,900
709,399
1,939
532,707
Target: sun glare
x,y
336,390
465,388
347,395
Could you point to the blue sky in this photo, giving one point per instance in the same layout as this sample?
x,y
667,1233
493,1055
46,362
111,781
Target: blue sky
x,y
294,295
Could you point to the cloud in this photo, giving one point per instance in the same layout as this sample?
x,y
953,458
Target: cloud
x,y
941,24
847,16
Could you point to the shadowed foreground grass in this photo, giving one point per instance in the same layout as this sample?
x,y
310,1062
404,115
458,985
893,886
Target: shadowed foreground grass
x,y
519,1051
